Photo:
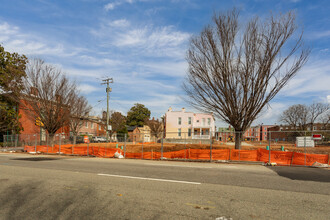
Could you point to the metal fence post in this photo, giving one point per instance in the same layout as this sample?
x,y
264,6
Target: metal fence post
x,y
88,149
162,146
305,148
16,139
269,137
210,147
185,140
74,138
47,142
125,145
142,144
240,145
35,144
59,148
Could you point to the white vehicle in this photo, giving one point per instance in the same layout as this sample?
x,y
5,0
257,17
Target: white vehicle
x,y
99,139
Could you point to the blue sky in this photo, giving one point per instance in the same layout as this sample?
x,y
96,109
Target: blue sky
x,y
142,44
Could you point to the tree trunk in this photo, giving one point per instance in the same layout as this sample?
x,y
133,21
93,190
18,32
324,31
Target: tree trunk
x,y
51,139
74,139
238,139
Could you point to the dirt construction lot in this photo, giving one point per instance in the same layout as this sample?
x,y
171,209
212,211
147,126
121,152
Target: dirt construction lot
x,y
167,147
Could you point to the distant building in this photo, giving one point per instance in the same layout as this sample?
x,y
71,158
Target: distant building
x,y
92,126
257,133
189,125
139,134
225,133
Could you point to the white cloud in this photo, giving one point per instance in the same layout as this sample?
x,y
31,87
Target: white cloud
x,y
6,29
87,88
152,38
320,34
143,41
110,6
119,23
313,78
328,98
271,113
113,5
15,40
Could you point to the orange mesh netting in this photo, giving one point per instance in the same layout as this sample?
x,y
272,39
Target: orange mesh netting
x,y
279,157
299,159
245,155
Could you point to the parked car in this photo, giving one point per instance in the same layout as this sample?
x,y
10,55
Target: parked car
x,y
99,139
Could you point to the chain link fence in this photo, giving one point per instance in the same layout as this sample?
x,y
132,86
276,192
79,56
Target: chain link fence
x,y
280,147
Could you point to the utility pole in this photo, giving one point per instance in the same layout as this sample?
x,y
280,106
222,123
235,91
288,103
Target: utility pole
x,y
108,90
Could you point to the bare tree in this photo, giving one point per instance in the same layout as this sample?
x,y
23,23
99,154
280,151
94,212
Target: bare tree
x,y
296,116
156,127
235,73
315,111
301,116
325,120
79,110
48,96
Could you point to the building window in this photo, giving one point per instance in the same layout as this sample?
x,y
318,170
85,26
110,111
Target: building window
x,y
92,125
197,121
86,124
208,121
189,132
179,132
314,128
189,120
99,127
203,121
179,120
207,132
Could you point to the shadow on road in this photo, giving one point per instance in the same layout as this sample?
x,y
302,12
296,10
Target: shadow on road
x,y
303,173
36,158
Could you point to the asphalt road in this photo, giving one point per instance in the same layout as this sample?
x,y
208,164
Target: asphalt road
x,y
60,187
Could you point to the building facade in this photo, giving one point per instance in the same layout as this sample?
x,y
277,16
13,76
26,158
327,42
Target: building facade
x,y
257,133
189,125
92,126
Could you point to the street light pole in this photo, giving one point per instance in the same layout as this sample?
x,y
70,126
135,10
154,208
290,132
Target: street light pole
x,y
108,90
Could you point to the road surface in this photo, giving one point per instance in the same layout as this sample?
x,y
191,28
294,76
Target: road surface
x,y
61,187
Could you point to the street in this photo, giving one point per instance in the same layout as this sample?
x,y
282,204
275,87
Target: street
x,y
63,187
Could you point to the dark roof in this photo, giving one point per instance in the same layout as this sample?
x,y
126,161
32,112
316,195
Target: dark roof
x,y
131,128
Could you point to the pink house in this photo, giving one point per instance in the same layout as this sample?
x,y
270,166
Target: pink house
x,y
189,125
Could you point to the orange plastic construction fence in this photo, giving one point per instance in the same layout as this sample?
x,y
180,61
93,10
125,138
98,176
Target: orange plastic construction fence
x,y
69,149
279,157
300,159
244,155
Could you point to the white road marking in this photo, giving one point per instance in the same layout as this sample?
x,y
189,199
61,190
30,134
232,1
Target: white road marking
x,y
144,178
171,165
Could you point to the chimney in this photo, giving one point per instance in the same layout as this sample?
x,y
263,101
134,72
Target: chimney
x,y
183,109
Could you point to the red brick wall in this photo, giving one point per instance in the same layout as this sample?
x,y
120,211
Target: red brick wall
x,y
28,123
